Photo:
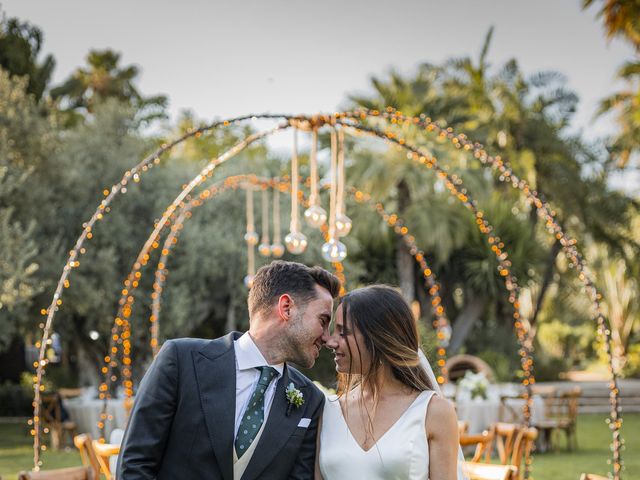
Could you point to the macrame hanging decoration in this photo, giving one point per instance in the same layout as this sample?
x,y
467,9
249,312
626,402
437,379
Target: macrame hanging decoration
x,y
277,248
295,240
333,250
251,237
315,215
264,248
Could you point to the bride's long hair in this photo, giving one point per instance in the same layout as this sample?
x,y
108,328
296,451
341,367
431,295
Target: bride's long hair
x,y
390,334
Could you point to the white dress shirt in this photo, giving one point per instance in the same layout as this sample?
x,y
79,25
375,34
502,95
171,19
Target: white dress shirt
x,y
248,358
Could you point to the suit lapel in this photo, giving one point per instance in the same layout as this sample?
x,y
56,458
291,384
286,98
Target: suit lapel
x,y
278,429
215,367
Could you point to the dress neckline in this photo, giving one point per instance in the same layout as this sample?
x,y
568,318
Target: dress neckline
x,y
393,425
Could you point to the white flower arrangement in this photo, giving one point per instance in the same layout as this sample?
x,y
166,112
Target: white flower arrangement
x,y
475,383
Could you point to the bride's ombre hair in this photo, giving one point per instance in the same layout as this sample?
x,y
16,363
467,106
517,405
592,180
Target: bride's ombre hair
x,y
385,321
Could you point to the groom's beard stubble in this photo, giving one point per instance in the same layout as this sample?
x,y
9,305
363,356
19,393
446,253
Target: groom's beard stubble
x,y
299,344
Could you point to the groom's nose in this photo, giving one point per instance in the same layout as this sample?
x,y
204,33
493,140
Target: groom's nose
x,y
329,341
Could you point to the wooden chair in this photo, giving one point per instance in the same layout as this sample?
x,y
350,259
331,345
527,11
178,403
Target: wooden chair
x,y
561,415
505,435
84,443
522,448
103,452
483,443
463,427
52,417
487,471
592,476
73,473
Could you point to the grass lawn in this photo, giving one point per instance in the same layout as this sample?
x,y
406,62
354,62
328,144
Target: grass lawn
x,y
593,438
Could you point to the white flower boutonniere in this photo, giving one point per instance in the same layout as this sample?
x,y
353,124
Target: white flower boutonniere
x,y
294,397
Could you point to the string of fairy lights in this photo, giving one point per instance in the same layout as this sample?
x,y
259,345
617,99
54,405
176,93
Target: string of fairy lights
x,y
568,244
351,120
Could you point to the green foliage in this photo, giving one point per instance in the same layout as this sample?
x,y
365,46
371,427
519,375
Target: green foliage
x,y
15,400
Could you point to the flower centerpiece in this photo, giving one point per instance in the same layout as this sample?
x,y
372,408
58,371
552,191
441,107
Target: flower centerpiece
x,y
476,384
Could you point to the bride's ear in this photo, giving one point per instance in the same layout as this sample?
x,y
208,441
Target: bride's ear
x,y
284,307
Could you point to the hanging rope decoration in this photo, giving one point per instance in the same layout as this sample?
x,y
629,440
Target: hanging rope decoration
x,y
295,240
315,215
251,237
333,250
277,248
265,247
343,223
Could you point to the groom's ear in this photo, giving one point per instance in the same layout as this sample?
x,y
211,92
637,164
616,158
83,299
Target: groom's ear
x,y
284,307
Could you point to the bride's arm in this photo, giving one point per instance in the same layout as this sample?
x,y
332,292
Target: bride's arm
x,y
318,475
442,436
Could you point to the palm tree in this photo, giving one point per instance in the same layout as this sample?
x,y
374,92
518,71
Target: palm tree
x,y
621,18
103,79
626,105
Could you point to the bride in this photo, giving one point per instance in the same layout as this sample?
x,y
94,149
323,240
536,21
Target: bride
x,y
387,421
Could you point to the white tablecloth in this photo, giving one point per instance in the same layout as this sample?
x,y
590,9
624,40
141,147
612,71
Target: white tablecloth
x,y
480,413
86,414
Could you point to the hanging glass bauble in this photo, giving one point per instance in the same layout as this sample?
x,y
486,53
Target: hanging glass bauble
x,y
277,250
248,281
316,216
343,225
295,242
251,238
264,249
334,251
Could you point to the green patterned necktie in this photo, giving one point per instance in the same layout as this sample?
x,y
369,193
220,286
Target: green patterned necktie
x,y
254,414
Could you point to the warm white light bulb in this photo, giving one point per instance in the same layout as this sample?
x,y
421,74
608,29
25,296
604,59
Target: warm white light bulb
x,y
264,249
343,225
251,238
277,250
334,251
316,216
296,242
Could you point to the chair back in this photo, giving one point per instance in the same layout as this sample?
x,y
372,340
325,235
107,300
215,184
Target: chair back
x,y
51,409
487,471
73,473
569,401
522,447
84,443
104,451
505,437
592,476
483,443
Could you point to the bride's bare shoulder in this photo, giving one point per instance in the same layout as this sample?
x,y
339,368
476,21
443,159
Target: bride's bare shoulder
x,y
441,417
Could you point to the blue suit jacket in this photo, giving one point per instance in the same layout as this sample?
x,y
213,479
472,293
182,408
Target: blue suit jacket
x,y
183,419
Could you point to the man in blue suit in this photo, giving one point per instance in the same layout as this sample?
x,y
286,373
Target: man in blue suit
x,y
232,408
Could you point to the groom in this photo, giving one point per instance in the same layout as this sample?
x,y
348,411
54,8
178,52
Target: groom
x,y
232,408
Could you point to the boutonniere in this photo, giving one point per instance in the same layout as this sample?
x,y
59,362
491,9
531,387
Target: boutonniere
x,y
294,397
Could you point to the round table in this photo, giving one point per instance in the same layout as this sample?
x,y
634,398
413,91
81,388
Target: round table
x,y
85,412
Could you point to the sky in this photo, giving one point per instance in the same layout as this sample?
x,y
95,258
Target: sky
x,y
226,58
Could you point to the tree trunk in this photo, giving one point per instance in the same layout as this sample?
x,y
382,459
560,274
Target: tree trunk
x,y
471,312
547,280
404,260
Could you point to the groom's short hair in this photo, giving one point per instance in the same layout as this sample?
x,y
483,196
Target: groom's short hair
x,y
295,279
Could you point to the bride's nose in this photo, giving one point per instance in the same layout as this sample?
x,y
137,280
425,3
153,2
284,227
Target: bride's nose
x,y
330,341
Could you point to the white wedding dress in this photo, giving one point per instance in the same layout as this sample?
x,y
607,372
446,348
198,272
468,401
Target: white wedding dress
x,y
402,453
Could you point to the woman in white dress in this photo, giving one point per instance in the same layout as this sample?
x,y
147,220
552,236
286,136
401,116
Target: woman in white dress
x,y
387,422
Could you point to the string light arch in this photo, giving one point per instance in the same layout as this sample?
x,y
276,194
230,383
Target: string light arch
x,y
349,120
